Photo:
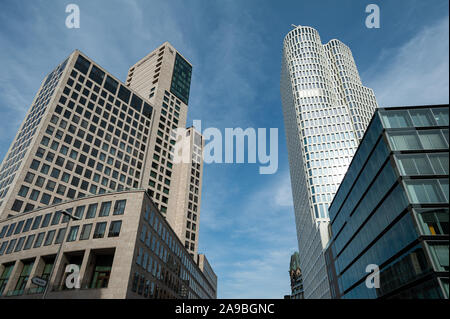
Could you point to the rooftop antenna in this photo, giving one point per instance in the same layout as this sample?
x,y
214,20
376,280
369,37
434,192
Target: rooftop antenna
x,y
294,26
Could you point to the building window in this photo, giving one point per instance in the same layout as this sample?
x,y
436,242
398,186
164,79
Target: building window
x,y
99,231
23,191
119,207
56,218
20,244
414,164
23,278
425,191
104,209
5,277
60,236
404,141
39,240
12,243
114,228
17,205
433,221
432,139
92,210
440,255
29,242
102,271
86,232
79,212
45,274
46,220
73,233
49,238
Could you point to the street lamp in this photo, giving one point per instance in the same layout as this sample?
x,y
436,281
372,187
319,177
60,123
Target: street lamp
x,y
66,213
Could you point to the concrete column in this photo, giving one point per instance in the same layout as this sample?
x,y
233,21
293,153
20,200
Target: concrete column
x,y
85,272
58,272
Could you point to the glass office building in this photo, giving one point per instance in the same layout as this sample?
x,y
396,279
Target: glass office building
x,y
326,110
391,209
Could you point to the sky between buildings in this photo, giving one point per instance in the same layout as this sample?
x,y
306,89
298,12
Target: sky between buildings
x,y
247,222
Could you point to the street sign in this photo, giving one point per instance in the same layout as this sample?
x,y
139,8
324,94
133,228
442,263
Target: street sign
x,y
39,281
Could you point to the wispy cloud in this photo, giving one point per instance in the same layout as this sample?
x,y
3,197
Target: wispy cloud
x,y
415,73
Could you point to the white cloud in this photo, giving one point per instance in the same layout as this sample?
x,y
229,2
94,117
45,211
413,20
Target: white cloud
x,y
417,73
261,277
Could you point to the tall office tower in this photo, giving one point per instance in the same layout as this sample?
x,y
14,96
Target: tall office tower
x,y
183,212
85,133
164,77
89,137
326,110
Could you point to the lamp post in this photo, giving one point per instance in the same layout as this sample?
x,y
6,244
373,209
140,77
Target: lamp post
x,y
66,213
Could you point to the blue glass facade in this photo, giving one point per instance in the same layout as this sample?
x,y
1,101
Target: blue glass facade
x,y
391,209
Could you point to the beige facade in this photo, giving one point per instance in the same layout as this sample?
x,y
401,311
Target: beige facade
x,y
88,134
184,211
173,187
122,244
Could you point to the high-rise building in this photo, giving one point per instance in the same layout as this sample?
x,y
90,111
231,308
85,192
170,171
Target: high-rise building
x,y
391,209
87,133
326,110
136,125
163,77
295,274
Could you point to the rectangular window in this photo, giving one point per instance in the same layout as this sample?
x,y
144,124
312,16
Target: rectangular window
x,y
99,231
29,242
79,212
37,222
46,220
414,164
60,236
114,228
422,118
82,64
73,233
432,139
433,221
425,191
23,278
39,239
49,238
104,209
440,255
3,247
27,225
440,163
92,210
404,141
20,243
86,232
102,271
5,277
119,207
12,243
56,218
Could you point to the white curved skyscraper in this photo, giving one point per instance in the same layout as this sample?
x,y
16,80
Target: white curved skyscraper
x,y
326,111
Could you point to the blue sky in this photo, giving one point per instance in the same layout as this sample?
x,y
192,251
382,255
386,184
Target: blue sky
x,y
247,222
